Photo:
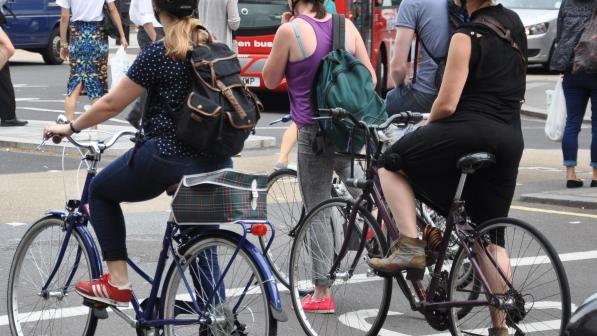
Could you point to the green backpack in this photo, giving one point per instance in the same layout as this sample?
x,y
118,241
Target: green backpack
x,y
343,81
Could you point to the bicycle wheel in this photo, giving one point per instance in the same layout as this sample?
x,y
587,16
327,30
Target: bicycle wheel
x,y
361,297
58,310
239,307
538,300
284,210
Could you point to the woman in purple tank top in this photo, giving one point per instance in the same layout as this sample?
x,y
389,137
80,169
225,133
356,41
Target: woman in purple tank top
x,y
301,42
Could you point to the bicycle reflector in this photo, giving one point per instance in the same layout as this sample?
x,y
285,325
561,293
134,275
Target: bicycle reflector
x,y
259,230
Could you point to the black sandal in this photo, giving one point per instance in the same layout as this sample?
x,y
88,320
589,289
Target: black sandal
x,y
593,183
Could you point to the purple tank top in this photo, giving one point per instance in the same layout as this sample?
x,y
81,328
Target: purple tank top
x,y
300,74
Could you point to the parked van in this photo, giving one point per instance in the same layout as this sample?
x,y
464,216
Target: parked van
x,y
33,25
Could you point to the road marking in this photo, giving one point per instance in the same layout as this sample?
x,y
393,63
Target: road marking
x,y
554,212
29,86
358,319
16,224
357,278
25,99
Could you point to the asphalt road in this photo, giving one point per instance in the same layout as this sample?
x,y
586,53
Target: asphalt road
x,y
33,182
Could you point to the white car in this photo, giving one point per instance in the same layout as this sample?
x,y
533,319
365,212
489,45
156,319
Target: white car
x,y
540,21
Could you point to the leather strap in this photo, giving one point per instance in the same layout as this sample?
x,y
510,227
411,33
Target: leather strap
x,y
502,32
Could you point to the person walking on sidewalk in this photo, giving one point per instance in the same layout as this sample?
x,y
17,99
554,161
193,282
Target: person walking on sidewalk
x,y
301,42
429,20
578,87
149,30
87,49
7,93
479,111
159,161
220,17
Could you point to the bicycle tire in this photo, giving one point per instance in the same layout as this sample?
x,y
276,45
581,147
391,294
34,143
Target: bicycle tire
x,y
372,301
529,302
21,322
285,209
174,289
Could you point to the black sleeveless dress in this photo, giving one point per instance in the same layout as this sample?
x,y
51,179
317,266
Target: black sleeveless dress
x,y
487,119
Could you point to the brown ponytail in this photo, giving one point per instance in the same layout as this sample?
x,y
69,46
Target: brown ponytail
x,y
182,36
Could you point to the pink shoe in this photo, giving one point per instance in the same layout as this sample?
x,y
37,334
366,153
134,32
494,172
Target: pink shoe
x,y
318,306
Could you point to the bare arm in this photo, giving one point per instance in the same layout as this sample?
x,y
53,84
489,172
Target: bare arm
x,y
455,76
150,30
64,18
110,105
232,14
6,49
116,17
275,66
398,65
360,50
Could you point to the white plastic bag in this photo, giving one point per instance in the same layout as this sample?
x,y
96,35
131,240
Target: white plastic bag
x,y
119,65
556,114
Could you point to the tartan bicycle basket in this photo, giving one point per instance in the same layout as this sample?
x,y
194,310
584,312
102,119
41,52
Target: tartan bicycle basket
x,y
221,196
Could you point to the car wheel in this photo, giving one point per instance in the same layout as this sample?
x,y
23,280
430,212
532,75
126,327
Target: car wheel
x,y
51,53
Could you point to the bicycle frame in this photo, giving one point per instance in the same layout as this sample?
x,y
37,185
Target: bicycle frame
x,y
457,221
76,218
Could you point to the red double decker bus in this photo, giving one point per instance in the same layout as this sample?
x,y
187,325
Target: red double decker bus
x,y
260,19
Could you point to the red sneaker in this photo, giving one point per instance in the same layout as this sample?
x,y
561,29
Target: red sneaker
x,y
318,306
102,290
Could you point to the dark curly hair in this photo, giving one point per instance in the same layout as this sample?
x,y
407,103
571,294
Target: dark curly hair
x,y
318,7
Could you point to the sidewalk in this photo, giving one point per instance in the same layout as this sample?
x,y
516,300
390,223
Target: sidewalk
x,y
29,137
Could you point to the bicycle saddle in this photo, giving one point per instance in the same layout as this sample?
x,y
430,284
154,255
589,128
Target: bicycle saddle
x,y
470,163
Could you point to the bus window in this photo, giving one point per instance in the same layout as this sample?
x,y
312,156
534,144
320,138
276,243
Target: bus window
x,y
260,17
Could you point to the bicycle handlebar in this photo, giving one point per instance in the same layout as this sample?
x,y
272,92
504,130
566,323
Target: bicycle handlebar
x,y
284,119
402,117
96,146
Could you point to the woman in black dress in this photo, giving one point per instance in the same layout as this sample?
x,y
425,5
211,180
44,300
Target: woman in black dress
x,y
477,109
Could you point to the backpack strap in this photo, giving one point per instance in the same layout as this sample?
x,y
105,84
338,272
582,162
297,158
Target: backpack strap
x,y
502,32
339,31
297,33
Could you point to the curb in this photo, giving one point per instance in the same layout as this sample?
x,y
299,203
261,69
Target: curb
x,y
542,113
567,201
252,143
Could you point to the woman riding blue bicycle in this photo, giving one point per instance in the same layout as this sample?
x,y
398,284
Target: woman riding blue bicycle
x,y
159,160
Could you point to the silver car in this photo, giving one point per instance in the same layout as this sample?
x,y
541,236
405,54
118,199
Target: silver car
x,y
540,21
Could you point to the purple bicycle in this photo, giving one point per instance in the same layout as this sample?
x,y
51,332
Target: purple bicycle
x,y
505,273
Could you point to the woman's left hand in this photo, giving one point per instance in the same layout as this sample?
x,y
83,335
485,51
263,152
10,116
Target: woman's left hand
x,y
57,131
124,42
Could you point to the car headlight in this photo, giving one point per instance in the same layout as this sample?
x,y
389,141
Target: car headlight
x,y
536,29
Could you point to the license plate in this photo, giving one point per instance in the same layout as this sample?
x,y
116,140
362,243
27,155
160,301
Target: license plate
x,y
252,81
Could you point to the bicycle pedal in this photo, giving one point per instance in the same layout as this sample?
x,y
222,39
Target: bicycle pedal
x,y
100,313
415,274
94,304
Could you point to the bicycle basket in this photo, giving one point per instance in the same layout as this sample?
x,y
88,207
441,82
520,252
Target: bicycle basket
x,y
221,196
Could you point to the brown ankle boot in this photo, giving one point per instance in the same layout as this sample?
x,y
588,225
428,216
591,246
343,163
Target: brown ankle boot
x,y
498,331
407,253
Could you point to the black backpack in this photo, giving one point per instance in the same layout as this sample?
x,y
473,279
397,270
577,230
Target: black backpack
x,y
219,112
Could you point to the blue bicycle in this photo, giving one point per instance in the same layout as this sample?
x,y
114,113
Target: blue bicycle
x,y
217,282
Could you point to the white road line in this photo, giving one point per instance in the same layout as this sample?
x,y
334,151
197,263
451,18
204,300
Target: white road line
x,y
357,278
25,99
15,224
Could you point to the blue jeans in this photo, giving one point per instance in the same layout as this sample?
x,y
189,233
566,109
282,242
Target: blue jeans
x,y
147,177
402,99
578,88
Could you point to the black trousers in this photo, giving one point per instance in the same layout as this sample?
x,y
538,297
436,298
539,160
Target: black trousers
x,y
7,95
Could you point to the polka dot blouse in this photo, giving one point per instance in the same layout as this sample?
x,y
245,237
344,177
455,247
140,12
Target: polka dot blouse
x,y
168,82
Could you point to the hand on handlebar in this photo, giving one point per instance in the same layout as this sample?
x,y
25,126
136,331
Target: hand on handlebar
x,y
57,132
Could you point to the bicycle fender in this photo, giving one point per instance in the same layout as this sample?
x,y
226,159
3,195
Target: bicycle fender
x,y
269,280
96,261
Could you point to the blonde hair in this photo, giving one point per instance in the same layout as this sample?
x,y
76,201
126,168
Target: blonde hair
x,y
182,35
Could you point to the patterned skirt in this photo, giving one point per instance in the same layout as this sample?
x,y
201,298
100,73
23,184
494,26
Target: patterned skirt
x,y
88,53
